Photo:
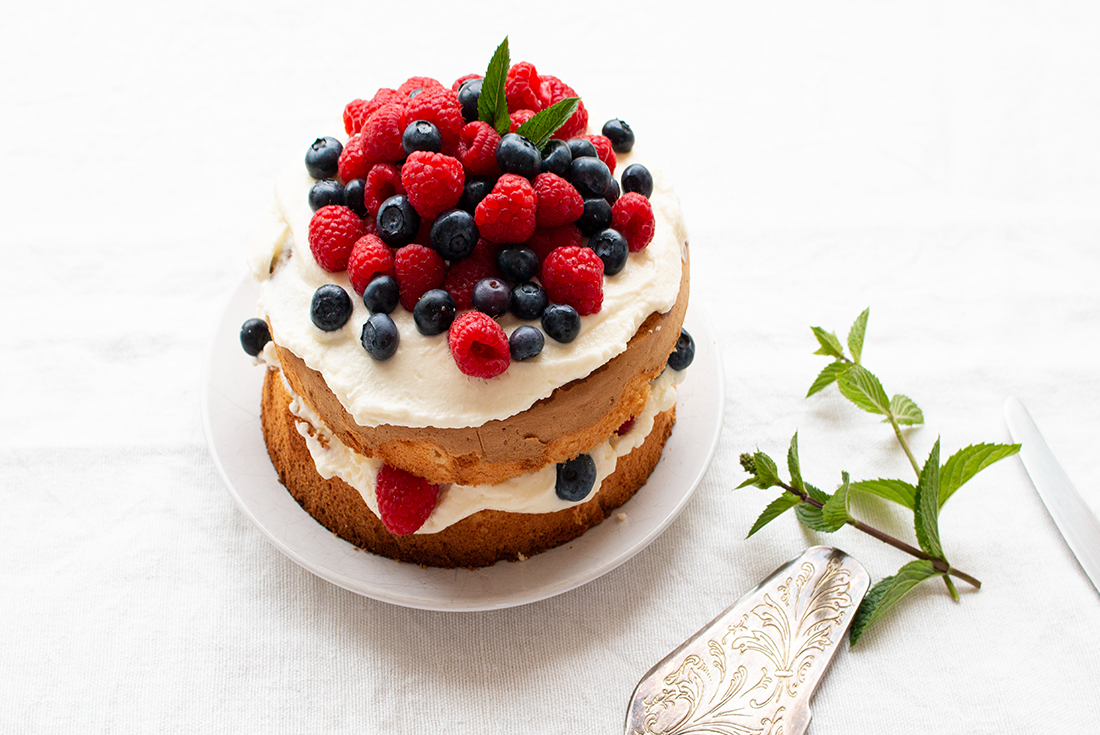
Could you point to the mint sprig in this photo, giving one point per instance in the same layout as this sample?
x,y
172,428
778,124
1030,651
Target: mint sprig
x,y
829,512
492,104
546,122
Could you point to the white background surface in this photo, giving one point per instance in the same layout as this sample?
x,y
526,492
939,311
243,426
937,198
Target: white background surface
x,y
938,162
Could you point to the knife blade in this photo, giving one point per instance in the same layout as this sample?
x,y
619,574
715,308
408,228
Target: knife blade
x,y
1069,510
756,666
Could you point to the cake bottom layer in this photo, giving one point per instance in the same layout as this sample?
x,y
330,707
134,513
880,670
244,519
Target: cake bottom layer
x,y
477,540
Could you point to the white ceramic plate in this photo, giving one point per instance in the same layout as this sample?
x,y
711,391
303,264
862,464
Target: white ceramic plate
x,y
231,416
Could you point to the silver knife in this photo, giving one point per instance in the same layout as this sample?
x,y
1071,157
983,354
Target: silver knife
x,y
754,668
1071,514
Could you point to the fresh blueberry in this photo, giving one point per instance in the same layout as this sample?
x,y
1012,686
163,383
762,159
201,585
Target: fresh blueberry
x,y
556,158
620,135
325,192
380,336
353,196
381,295
576,478
492,296
468,95
254,336
612,194
330,308
684,353
397,222
323,156
518,263
454,234
434,312
590,176
595,217
421,135
637,178
517,155
612,248
474,190
581,148
561,322
529,301
525,342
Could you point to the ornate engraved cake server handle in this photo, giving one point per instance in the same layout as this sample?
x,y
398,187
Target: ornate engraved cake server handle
x,y
755,667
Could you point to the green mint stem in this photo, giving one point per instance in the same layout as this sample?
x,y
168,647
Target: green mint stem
x,y
951,588
905,446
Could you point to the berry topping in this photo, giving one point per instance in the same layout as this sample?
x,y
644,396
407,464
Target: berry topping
x,y
353,197
557,202
469,92
522,87
379,337
474,190
597,215
561,323
333,231
358,112
491,296
382,182
574,276
576,478
330,307
519,117
421,135
555,90
547,239
454,234
434,312
419,269
477,148
517,155
463,277
478,345
404,500
353,163
439,106
507,214
324,193
525,342
369,257
529,301
382,134
637,178
518,263
581,148
433,182
632,215
603,150
613,192
254,336
684,353
417,84
556,158
382,294
323,156
397,222
612,249
620,135
590,175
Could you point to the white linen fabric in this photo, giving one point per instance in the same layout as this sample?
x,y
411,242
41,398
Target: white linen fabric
x,y
937,162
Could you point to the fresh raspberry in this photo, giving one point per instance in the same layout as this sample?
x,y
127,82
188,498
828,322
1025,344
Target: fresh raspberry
x,y
519,117
478,345
554,90
603,149
632,215
439,106
414,83
418,269
557,202
333,231
433,182
464,78
625,427
477,148
369,257
353,163
353,115
574,276
382,134
382,182
404,500
522,87
464,275
357,112
547,239
507,214
424,234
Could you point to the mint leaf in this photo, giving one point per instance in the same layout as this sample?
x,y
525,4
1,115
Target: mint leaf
x,y
886,593
926,506
546,122
764,472
835,511
776,508
862,388
793,465
492,105
810,516
898,491
830,345
828,376
856,334
969,461
904,411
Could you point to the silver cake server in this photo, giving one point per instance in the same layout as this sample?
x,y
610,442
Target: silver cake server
x,y
755,667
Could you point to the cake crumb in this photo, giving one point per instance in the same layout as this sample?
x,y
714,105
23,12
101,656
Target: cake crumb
x,y
520,557
620,517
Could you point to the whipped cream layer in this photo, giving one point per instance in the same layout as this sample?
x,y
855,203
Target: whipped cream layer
x,y
420,385
529,493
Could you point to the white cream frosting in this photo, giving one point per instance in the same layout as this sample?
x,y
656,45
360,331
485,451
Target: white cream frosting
x,y
421,385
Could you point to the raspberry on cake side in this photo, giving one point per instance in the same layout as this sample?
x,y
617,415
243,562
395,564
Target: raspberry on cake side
x,y
448,421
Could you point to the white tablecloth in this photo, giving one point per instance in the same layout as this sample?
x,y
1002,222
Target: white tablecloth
x,y
937,162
